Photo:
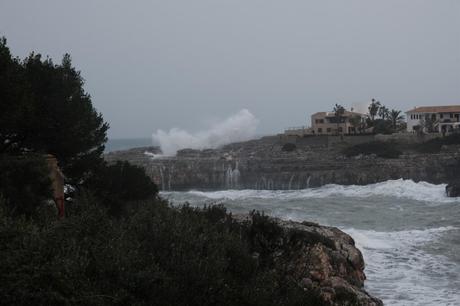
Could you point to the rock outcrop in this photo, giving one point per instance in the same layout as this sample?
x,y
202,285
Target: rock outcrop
x,y
264,164
322,260
453,189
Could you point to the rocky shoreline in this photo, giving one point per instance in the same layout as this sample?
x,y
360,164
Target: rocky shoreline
x,y
264,164
322,260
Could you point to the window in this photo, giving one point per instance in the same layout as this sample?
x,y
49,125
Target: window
x,y
442,116
451,115
317,121
328,130
320,130
340,129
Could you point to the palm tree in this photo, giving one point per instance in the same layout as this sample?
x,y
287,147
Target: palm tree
x,y
395,117
384,112
338,110
373,109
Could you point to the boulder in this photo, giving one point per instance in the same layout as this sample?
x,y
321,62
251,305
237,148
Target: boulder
x,y
453,189
322,260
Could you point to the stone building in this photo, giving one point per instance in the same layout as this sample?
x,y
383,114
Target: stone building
x,y
326,123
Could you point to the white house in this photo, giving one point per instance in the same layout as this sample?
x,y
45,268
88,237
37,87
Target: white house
x,y
444,118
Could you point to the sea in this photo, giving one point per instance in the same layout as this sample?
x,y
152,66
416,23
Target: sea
x,y
408,232
118,144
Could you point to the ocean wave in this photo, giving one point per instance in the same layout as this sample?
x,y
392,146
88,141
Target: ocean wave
x,y
408,189
401,272
371,239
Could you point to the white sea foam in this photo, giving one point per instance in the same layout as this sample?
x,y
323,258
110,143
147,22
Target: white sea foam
x,y
401,272
403,267
239,127
408,189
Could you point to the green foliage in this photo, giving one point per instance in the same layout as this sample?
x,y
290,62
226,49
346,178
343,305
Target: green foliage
x,y
380,149
24,183
435,145
157,255
384,112
396,118
383,126
44,108
338,110
289,147
357,123
118,184
373,109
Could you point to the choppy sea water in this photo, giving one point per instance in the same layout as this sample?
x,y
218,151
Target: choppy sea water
x,y
409,233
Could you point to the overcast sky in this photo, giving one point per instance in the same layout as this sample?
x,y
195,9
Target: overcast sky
x,y
163,64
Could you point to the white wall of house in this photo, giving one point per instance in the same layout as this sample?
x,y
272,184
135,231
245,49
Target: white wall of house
x,y
443,119
413,119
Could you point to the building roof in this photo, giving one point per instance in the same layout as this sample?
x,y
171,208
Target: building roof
x,y
436,109
346,113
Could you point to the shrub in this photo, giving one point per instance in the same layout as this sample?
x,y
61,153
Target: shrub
x,y
380,149
435,145
117,184
289,147
383,127
24,182
156,255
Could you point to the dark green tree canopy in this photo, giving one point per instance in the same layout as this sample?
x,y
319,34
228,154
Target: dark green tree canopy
x,y
44,108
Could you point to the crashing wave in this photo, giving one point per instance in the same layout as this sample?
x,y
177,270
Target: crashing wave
x,y
408,189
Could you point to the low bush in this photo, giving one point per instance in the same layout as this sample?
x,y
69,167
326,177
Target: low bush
x,y
156,255
289,147
24,182
435,145
383,127
380,149
116,185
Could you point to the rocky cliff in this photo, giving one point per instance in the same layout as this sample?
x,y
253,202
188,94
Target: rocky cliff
x,y
267,164
322,260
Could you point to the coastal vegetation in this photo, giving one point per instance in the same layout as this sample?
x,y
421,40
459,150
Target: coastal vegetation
x,y
377,148
435,145
378,120
152,255
119,242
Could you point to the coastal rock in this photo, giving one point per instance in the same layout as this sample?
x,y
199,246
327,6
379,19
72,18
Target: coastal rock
x,y
322,260
453,189
263,164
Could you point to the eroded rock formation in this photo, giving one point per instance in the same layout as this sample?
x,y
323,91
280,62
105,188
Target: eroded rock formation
x,y
322,260
263,164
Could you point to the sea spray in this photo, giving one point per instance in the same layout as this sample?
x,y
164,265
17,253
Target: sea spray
x,y
421,191
238,127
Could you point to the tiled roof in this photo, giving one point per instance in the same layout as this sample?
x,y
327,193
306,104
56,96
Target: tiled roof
x,y
347,113
436,109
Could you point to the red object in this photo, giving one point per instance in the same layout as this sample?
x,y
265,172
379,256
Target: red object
x,y
60,206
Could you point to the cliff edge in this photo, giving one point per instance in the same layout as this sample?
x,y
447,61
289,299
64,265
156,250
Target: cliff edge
x,y
320,259
266,164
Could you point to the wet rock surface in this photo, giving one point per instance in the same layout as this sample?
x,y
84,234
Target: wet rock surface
x,y
453,189
322,260
264,164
